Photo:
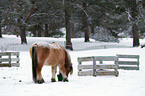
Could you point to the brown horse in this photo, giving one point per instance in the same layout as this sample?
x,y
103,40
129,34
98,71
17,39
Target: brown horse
x,y
53,54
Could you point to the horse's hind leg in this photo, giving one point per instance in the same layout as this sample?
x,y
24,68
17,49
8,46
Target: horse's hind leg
x,y
39,76
53,73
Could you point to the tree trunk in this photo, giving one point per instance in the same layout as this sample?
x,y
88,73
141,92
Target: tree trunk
x,y
39,30
39,33
67,25
85,23
135,36
23,35
34,30
135,26
113,33
0,26
22,32
0,31
92,29
86,29
46,30
72,30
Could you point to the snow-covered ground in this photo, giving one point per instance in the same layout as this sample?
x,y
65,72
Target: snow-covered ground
x,y
17,81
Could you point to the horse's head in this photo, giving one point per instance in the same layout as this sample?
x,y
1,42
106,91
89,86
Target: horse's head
x,y
69,69
68,64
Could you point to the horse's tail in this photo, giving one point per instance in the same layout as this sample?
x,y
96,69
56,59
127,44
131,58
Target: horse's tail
x,y
68,61
34,63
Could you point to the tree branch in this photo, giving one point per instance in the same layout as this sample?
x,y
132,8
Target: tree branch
x,y
83,10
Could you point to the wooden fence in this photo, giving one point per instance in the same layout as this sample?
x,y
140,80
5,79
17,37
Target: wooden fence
x,y
99,66
9,59
128,62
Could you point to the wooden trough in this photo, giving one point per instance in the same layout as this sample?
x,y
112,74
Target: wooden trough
x,y
99,66
9,59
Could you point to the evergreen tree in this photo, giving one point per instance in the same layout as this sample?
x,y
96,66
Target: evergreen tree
x,y
16,14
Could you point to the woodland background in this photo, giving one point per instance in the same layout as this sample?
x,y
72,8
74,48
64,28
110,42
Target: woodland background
x,y
102,20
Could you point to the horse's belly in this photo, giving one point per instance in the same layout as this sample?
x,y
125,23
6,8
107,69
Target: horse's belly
x,y
55,57
47,62
52,62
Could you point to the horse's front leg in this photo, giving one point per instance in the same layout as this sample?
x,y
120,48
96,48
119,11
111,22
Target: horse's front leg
x,y
63,72
53,73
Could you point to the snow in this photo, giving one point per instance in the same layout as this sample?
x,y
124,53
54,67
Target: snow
x,y
17,81
43,44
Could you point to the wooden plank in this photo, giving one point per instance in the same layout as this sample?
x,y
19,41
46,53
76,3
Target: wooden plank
x,y
106,58
7,59
128,68
4,65
80,67
15,59
98,58
111,66
106,66
128,62
15,64
85,73
4,54
90,73
7,53
127,56
4,59
9,65
104,72
81,59
15,53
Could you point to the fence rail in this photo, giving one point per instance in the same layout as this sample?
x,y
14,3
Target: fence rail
x,y
9,59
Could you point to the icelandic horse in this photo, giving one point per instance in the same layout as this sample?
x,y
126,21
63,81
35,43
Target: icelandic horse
x,y
53,54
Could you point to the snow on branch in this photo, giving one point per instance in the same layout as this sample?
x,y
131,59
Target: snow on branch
x,y
129,16
82,10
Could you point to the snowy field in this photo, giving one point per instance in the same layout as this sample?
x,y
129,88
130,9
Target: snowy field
x,y
17,81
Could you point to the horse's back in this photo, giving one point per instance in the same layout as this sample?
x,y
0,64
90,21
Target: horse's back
x,y
56,55
49,54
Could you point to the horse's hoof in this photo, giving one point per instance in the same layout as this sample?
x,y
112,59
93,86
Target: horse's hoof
x,y
40,81
53,80
65,80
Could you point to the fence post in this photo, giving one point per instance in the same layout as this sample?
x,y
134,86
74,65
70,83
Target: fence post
x,y
9,59
138,62
18,60
101,62
0,58
116,63
94,66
